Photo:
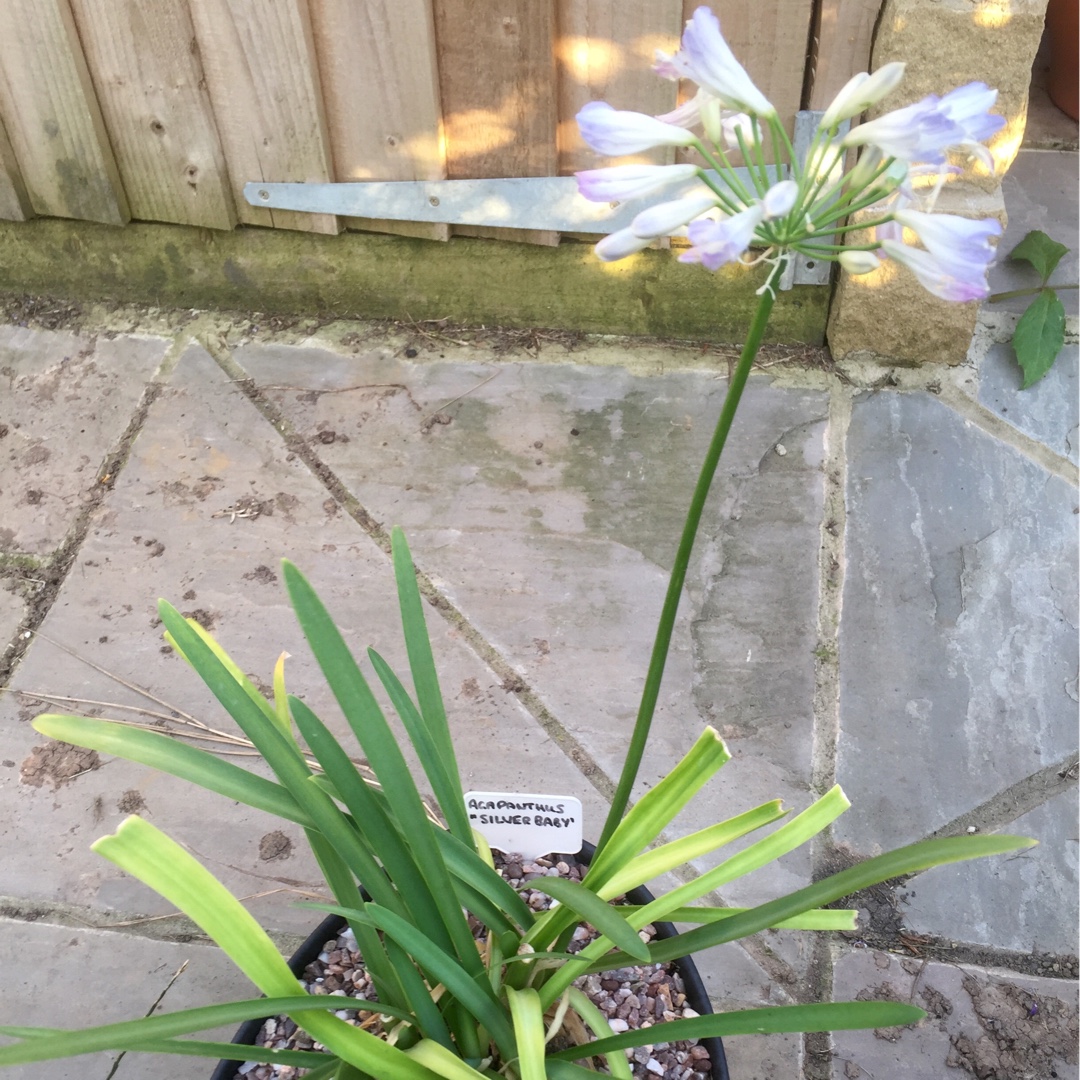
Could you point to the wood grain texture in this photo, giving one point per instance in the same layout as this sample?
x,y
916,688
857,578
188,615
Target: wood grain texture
x,y
843,38
499,94
605,51
14,200
380,87
51,112
146,71
263,80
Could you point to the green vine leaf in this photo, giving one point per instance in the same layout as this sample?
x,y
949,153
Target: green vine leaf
x,y
1038,249
1039,335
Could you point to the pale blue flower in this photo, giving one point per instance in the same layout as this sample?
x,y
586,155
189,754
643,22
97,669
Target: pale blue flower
x,y
618,245
952,239
706,58
621,182
925,130
614,132
718,242
664,218
950,278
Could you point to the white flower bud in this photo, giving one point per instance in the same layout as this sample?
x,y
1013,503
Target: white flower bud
x,y
859,262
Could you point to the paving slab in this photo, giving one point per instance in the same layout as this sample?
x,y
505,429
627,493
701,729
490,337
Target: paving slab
x,y
1048,411
165,530
1040,193
543,500
958,635
1026,901
980,1022
59,976
67,400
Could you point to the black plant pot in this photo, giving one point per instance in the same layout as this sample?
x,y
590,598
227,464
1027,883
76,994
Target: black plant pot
x,y
332,926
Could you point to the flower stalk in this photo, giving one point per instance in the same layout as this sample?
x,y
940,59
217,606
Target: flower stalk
x,y
662,644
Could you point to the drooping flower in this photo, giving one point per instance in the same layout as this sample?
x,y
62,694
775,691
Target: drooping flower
x,y
954,241
615,132
621,182
706,58
859,262
925,130
664,218
951,279
860,92
618,245
718,242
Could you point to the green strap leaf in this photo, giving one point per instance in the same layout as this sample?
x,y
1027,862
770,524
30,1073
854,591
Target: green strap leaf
x,y
587,906
816,919
1038,249
899,863
46,1044
828,1016
528,1020
655,810
445,785
175,757
475,995
148,854
380,746
422,666
1039,336
617,1064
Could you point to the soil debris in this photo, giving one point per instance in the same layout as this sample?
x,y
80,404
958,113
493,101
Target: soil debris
x,y
57,762
1023,1035
275,845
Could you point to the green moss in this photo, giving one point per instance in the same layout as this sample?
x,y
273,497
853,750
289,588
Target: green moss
x,y
470,281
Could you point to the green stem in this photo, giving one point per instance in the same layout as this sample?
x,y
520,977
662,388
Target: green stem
x,y
1026,292
662,644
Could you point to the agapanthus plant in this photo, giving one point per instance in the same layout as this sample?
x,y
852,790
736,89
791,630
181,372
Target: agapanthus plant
x,y
472,982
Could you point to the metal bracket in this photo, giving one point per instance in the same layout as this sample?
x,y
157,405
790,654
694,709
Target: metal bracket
x,y
535,202
804,270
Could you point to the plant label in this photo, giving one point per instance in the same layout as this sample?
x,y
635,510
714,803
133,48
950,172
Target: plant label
x,y
527,825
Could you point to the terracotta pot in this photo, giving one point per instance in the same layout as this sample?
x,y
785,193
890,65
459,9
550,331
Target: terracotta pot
x,y
1063,31
330,927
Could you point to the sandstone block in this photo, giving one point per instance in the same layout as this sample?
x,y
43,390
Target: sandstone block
x,y
947,43
888,316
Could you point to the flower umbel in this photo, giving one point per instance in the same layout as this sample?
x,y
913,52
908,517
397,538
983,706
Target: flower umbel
x,y
798,207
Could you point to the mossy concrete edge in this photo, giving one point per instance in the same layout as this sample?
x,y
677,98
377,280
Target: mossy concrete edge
x,y
469,281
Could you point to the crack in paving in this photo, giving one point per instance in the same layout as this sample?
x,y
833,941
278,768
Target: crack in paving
x,y
48,573
505,671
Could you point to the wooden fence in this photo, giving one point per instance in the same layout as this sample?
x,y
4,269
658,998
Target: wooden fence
x,y
161,110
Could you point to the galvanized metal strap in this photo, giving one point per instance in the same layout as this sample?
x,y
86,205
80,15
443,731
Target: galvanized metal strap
x,y
535,202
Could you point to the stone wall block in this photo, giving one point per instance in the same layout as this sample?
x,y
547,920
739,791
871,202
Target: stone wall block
x,y
889,317
948,43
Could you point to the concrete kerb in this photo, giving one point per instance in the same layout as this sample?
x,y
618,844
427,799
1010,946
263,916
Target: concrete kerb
x,y
955,388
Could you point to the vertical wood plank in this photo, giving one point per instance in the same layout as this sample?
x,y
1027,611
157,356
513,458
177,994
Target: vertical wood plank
x,y
605,51
381,92
14,201
146,70
843,38
499,94
261,72
51,113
